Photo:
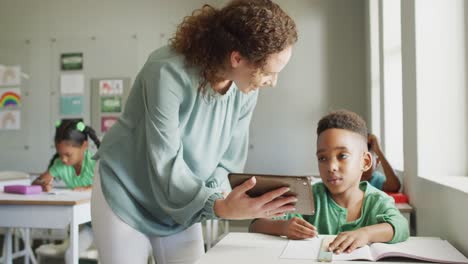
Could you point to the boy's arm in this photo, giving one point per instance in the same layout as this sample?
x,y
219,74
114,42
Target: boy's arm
x,y
382,232
268,226
294,228
392,183
83,188
350,240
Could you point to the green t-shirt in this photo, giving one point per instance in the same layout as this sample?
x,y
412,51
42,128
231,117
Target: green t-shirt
x,y
68,174
378,207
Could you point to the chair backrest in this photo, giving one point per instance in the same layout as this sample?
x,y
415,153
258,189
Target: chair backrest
x,y
13,175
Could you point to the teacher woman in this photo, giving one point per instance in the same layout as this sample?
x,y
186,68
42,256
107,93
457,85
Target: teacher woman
x,y
163,166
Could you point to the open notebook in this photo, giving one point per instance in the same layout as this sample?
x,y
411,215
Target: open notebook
x,y
432,250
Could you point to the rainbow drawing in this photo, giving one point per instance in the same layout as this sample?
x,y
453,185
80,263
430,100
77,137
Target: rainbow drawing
x,y
10,98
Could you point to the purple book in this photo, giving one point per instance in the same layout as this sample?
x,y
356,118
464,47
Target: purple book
x,y
23,189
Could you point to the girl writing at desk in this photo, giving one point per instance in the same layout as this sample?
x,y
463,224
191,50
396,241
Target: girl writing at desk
x,y
72,163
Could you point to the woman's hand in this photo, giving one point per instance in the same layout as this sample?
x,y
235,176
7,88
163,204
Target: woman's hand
x,y
349,241
239,205
297,228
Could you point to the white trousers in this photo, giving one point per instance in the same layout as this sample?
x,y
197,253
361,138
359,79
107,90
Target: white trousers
x,y
119,243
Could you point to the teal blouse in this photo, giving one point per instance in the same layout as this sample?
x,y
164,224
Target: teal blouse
x,y
165,161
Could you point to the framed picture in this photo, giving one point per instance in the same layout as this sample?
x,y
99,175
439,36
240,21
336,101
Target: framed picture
x,y
111,104
71,61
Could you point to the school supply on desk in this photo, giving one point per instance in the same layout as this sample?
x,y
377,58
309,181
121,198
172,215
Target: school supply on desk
x,y
431,250
23,189
398,197
300,186
324,254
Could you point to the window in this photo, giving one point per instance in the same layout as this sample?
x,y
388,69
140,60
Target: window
x,y
386,104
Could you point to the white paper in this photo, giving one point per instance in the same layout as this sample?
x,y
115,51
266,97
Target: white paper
x,y
302,249
10,120
72,83
110,87
424,249
10,75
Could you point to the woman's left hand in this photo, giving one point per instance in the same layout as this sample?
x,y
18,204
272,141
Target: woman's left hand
x,y
239,205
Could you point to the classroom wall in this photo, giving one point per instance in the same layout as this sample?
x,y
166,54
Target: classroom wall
x,y
435,143
327,70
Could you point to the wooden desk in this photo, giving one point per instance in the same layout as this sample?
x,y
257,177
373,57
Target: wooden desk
x,y
45,210
250,248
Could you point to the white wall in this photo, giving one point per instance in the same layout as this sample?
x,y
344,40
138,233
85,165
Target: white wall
x,y
327,70
435,120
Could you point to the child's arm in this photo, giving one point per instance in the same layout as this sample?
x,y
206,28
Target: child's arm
x,y
295,228
83,188
45,180
392,183
349,241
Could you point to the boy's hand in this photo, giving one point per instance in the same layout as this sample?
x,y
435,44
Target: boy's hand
x,y
348,241
297,228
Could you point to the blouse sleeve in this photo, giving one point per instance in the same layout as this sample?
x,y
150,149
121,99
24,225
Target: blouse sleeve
x,y
181,195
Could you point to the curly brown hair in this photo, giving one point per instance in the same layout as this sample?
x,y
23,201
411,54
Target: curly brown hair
x,y
254,28
343,119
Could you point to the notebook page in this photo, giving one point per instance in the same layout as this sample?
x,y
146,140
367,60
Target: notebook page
x,y
422,249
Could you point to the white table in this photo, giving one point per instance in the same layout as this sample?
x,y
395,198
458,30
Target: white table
x,y
45,210
251,248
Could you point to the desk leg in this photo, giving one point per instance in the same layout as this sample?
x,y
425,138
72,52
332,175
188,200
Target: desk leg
x,y
215,230
72,251
226,226
8,250
208,234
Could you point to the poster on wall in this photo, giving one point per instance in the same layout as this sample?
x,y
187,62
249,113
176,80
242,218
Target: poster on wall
x,y
71,61
111,104
71,105
10,97
72,83
107,122
10,120
110,87
10,75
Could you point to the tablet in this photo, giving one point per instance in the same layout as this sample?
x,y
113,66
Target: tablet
x,y
299,185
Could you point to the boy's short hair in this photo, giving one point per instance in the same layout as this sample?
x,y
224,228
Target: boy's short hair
x,y
343,119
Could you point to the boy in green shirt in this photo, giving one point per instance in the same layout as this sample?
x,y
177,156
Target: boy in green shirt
x,y
357,212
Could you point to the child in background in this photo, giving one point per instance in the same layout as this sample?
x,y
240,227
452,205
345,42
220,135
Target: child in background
x,y
387,182
344,206
73,162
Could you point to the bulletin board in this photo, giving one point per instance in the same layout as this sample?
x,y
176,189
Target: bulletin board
x,y
108,96
15,91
